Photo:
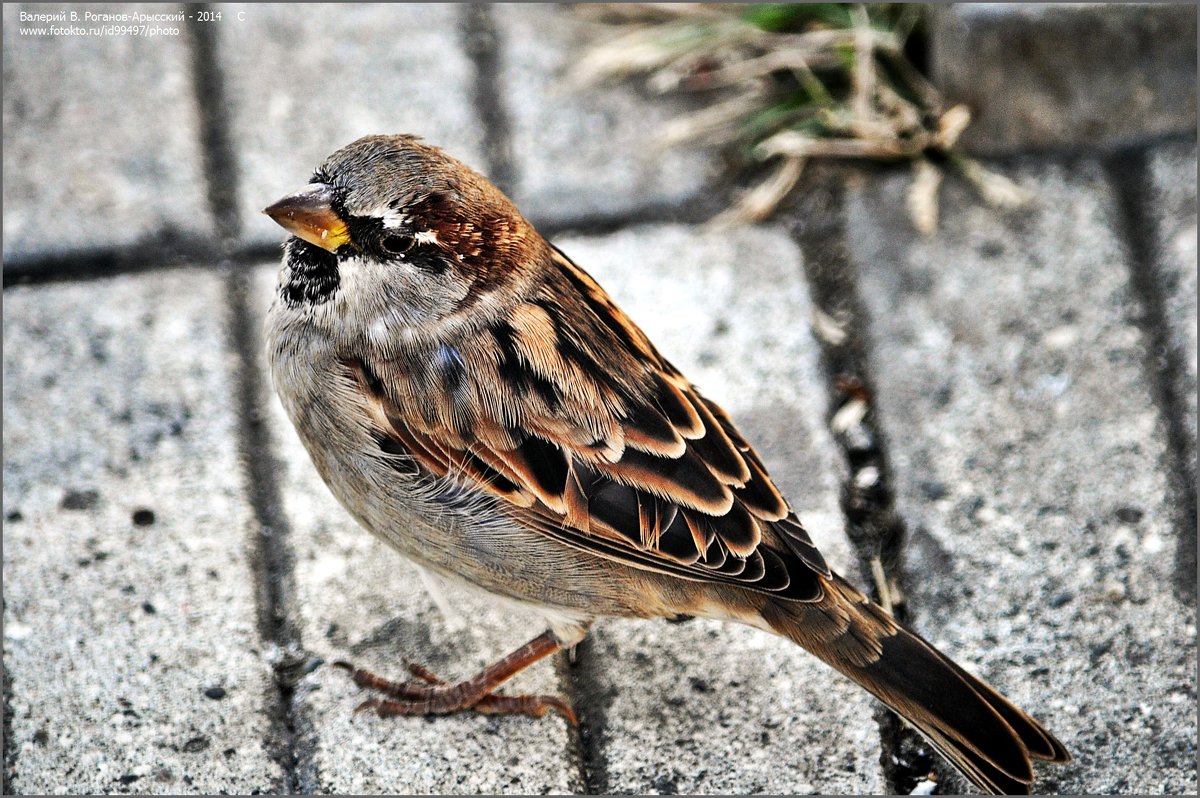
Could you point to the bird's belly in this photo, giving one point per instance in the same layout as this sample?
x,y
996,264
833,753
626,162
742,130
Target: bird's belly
x,y
461,535
471,541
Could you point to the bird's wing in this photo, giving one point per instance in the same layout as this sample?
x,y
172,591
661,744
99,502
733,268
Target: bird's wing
x,y
564,410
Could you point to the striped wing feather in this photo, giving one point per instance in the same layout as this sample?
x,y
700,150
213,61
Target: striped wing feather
x,y
567,412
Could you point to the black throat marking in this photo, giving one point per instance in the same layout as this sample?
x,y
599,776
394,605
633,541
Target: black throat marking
x,y
312,274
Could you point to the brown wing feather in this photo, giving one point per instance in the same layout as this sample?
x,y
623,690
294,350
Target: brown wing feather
x,y
567,412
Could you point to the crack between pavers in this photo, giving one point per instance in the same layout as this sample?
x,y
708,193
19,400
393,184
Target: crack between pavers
x,y
580,681
875,528
1085,150
271,556
481,43
10,746
216,145
165,250
1129,173
169,250
693,212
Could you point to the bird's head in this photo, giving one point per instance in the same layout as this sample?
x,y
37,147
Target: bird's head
x,y
401,236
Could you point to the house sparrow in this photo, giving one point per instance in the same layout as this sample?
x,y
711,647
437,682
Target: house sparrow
x,y
475,399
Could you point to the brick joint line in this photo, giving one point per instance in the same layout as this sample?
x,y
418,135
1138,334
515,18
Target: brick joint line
x,y
167,250
10,746
272,558
1129,172
216,144
481,43
577,675
876,530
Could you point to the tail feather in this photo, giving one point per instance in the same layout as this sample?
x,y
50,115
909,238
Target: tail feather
x,y
976,728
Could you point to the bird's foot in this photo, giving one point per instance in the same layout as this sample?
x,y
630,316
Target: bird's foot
x,y
431,695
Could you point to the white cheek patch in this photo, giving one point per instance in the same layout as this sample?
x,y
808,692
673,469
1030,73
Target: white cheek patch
x,y
357,287
392,218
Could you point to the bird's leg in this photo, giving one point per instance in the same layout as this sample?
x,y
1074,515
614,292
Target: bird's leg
x,y
433,696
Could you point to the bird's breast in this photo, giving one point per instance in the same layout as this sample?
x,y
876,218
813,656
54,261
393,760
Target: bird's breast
x,y
438,522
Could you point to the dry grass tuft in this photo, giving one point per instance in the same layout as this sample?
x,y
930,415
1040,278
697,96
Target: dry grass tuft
x,y
787,83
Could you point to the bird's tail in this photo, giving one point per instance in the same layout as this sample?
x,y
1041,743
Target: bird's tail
x,y
976,728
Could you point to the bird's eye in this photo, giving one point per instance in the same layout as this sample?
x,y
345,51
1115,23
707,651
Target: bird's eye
x,y
395,244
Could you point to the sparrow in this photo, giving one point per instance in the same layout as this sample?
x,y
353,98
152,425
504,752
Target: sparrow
x,y
475,399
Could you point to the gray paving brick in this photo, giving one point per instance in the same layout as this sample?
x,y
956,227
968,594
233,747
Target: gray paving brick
x,y
118,404
82,168
703,706
1173,181
1040,75
1028,453
578,153
360,601
304,81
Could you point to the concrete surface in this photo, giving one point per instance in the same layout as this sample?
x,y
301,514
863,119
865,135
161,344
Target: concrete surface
x,y
1011,367
130,645
1059,75
82,169
303,81
560,172
1012,381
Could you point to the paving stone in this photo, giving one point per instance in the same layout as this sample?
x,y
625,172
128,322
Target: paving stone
x,y
1041,75
128,595
704,706
304,81
583,152
82,169
1011,372
1173,182
360,601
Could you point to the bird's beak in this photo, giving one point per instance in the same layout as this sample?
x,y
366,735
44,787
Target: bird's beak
x,y
309,214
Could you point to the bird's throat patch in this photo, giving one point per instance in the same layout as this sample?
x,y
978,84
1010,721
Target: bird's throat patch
x,y
313,276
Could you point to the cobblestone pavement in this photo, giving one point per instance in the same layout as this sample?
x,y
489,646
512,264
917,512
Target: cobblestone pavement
x,y
176,577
